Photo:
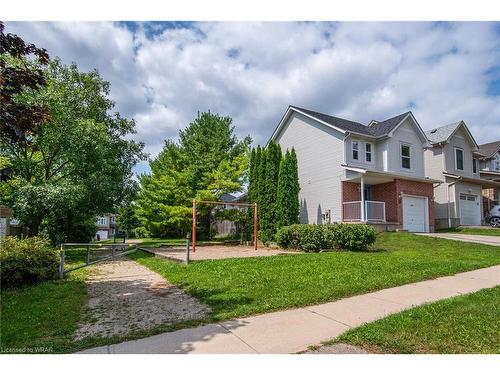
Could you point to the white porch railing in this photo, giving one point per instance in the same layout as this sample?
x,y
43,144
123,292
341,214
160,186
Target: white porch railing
x,y
374,211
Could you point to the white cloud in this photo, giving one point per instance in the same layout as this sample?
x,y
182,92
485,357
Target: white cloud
x,y
253,71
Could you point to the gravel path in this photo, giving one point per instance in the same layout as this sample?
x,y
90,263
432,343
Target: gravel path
x,y
125,296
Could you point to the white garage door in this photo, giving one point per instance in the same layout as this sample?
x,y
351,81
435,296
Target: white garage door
x,y
470,210
414,214
103,234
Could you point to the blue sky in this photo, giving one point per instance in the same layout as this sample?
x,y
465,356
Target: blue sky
x,y
162,73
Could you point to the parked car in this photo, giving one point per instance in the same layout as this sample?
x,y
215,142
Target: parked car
x,y
494,216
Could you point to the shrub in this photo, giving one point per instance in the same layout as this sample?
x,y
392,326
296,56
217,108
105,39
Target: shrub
x,y
305,237
312,238
27,261
354,237
141,232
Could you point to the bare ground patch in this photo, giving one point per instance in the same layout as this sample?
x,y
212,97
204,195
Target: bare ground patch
x,y
124,296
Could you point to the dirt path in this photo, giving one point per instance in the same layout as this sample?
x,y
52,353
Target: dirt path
x,y
125,296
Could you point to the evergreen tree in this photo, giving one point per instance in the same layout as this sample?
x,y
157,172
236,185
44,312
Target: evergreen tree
x,y
282,195
270,182
294,204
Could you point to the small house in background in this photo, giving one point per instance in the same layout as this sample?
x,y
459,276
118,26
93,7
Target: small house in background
x,y
5,215
489,169
227,227
106,227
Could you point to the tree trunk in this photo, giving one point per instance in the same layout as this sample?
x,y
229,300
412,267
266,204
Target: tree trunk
x,y
34,226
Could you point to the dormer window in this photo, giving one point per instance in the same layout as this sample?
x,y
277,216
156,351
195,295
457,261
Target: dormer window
x,y
405,156
368,152
355,150
459,159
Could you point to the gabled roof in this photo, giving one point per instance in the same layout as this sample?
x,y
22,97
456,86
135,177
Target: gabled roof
x,y
489,149
382,128
444,133
375,129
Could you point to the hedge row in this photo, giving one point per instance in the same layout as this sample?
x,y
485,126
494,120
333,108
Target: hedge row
x,y
313,238
26,261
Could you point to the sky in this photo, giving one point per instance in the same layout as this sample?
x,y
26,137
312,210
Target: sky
x,y
163,73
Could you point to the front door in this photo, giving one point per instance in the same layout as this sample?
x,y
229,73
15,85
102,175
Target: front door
x,y
368,197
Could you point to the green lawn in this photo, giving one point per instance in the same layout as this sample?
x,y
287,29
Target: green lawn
x,y
44,315
241,287
487,231
465,324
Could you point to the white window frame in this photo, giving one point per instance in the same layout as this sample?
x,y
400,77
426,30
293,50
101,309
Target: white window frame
x,y
371,152
409,157
357,150
455,149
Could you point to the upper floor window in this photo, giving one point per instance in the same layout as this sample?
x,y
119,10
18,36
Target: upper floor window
x,y
101,221
405,156
368,152
355,150
459,159
474,165
496,163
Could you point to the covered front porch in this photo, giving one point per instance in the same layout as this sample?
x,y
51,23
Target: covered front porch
x,y
381,198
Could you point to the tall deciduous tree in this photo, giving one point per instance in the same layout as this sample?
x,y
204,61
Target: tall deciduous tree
x,y
75,164
208,161
20,121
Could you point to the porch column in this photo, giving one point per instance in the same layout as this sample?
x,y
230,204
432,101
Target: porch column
x,y
363,213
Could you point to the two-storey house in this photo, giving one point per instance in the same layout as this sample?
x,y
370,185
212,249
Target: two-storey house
x,y
454,157
351,172
489,169
106,226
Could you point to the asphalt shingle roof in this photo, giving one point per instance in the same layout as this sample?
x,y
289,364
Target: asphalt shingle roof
x,y
441,134
377,129
488,149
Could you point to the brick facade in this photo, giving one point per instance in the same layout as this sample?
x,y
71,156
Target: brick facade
x,y
390,193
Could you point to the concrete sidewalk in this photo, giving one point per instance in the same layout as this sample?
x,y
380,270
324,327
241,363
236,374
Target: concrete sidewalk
x,y
476,238
291,331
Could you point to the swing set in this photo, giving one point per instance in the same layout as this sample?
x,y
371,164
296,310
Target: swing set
x,y
215,203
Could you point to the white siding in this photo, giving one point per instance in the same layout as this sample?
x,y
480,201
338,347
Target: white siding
x,y
320,154
405,133
459,139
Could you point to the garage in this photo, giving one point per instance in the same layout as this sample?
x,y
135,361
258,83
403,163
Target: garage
x,y
470,209
102,235
415,214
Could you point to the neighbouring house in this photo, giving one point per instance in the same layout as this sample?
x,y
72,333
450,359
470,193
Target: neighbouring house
x,y
489,169
455,158
5,216
106,227
227,227
352,172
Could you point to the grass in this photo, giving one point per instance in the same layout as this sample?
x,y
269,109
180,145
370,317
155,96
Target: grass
x,y
464,230
465,324
42,316
242,287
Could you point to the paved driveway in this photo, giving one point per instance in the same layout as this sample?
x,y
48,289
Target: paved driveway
x,y
486,240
